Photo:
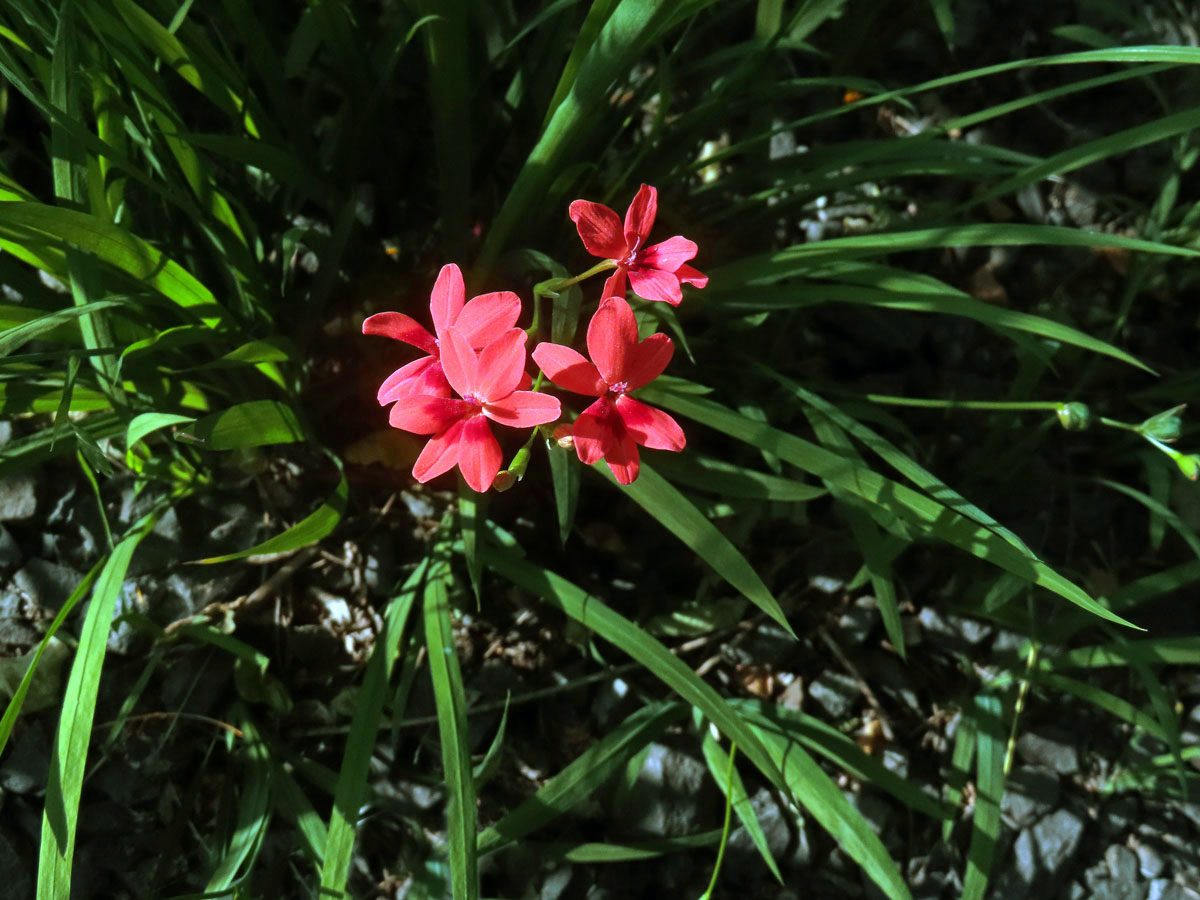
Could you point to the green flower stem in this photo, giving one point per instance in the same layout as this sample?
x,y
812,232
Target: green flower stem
x,y
995,405
712,883
552,286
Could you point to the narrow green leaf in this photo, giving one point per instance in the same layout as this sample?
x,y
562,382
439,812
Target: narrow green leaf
x,y
706,473
255,423
564,475
69,756
13,709
145,424
307,531
113,245
360,743
253,808
842,750
989,789
593,614
929,515
680,516
582,776
452,728
718,764
816,792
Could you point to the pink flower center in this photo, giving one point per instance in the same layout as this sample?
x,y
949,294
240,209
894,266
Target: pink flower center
x,y
619,388
630,258
476,401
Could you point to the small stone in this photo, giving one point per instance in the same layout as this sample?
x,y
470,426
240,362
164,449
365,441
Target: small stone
x,y
1043,852
1122,862
972,631
1120,814
1029,794
855,624
1050,747
556,883
667,796
1150,863
17,869
772,818
1120,890
17,632
45,583
1165,889
835,692
896,760
10,552
24,768
18,498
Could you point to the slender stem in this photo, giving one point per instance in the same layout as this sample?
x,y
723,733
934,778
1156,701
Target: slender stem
x,y
1113,423
998,405
712,883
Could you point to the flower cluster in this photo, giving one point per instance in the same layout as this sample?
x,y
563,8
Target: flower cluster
x,y
474,373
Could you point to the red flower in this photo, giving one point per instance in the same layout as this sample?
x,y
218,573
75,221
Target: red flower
x,y
615,424
656,272
487,384
481,321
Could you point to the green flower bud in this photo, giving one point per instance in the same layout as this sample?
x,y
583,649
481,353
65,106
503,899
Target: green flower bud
x,y
1188,465
1165,426
1074,416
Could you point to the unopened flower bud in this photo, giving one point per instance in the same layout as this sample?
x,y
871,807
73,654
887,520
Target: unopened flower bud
x,y
562,437
1074,416
1189,465
504,480
1165,426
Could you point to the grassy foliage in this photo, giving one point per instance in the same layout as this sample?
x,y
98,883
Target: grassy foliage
x,y
170,174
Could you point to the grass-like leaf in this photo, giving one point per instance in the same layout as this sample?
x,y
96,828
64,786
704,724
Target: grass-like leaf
x,y
932,517
308,530
452,728
360,743
256,423
718,765
69,756
817,793
591,612
681,517
989,789
582,775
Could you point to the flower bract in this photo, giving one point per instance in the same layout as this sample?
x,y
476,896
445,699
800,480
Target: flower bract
x,y
615,424
656,271
481,321
486,384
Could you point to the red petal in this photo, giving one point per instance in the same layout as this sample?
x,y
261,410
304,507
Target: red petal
x,y
427,415
488,316
655,284
423,376
688,275
614,285
599,229
595,431
479,455
446,301
611,335
501,365
524,409
525,383
651,427
400,327
639,218
459,363
440,454
622,459
569,370
669,255
648,360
